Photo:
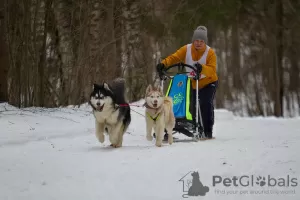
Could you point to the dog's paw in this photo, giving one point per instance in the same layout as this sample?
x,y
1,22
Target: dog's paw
x,y
170,140
149,137
101,138
158,145
115,145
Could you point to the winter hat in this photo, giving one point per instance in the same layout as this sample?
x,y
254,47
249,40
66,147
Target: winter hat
x,y
200,34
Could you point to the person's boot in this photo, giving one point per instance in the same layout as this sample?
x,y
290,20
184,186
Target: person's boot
x,y
209,136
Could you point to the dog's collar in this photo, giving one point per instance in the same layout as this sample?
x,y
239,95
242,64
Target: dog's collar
x,y
92,106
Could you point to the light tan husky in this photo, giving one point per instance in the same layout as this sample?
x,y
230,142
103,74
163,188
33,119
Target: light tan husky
x,y
159,115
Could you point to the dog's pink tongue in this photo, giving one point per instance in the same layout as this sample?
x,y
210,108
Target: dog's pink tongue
x,y
100,108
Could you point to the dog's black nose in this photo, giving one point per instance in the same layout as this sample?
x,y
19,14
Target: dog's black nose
x,y
98,104
155,101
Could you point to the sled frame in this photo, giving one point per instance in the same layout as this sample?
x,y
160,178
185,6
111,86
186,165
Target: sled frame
x,y
199,129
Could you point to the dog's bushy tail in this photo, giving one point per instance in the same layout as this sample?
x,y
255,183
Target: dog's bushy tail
x,y
168,101
118,88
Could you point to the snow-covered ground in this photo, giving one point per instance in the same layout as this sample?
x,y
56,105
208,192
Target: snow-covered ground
x,y
53,154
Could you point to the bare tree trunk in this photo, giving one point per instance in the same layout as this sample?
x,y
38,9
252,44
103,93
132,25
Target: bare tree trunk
x,y
137,49
111,53
95,33
4,56
64,26
258,99
43,53
220,46
14,34
278,106
293,90
235,56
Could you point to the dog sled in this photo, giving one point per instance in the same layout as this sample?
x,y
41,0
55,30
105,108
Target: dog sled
x,y
186,106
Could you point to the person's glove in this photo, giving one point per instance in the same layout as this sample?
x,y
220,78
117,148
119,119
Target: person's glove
x,y
199,70
160,67
199,67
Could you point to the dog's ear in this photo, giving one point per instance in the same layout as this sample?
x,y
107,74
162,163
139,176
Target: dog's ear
x,y
149,89
95,86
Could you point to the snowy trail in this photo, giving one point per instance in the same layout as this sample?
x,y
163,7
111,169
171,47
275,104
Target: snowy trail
x,y
53,154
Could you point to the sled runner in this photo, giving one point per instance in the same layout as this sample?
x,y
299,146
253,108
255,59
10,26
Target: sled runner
x,y
185,103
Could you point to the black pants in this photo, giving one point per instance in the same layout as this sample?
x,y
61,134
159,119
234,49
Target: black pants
x,y
206,99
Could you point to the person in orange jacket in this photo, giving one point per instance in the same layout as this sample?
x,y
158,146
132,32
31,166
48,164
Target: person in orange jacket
x,y
199,52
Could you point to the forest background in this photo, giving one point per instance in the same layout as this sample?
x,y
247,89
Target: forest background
x,y
52,51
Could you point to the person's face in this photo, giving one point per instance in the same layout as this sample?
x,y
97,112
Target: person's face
x,y
199,44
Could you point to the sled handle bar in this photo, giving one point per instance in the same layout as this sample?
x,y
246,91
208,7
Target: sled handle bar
x,y
180,66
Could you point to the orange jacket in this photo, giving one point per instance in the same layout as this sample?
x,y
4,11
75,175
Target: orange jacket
x,y
209,70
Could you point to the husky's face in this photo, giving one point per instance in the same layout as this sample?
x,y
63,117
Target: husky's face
x,y
154,97
101,97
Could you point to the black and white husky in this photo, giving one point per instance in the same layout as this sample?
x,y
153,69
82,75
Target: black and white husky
x,y
111,111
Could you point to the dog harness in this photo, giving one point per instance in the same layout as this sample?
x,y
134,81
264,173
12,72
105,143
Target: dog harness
x,y
155,118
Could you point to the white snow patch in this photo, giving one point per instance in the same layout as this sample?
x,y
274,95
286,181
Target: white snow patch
x,y
53,154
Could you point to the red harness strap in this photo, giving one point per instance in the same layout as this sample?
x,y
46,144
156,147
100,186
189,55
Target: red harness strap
x,y
126,105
